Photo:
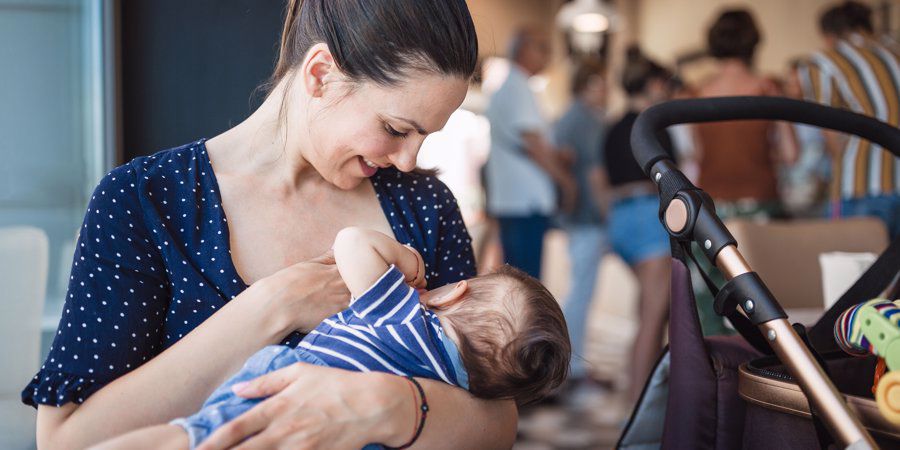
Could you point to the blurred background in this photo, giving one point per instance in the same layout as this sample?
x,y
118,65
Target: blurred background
x,y
86,85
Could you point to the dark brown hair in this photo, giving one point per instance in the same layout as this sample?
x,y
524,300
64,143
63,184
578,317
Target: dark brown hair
x,y
733,35
640,70
521,353
379,40
846,17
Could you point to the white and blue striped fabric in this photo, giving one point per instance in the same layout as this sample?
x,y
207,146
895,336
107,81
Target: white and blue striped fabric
x,y
387,330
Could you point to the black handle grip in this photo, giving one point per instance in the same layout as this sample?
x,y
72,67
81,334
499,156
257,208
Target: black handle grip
x,y
647,150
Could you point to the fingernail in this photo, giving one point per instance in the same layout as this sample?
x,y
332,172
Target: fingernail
x,y
237,387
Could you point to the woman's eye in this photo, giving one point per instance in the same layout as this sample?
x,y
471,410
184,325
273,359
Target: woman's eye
x,y
394,132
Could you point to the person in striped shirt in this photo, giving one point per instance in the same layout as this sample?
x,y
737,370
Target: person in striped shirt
x,y
858,72
500,335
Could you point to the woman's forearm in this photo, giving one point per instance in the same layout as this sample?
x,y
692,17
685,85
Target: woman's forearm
x,y
173,384
456,419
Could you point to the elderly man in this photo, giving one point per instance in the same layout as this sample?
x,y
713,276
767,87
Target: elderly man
x,y
523,168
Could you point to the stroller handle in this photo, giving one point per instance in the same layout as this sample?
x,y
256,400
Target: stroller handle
x,y
688,214
647,150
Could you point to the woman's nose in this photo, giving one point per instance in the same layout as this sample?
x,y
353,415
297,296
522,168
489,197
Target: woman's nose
x,y
405,158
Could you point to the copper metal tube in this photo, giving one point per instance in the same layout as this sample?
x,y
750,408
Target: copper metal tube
x,y
791,350
821,393
731,262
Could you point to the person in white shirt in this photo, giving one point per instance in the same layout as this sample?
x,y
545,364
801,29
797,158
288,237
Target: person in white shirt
x,y
523,170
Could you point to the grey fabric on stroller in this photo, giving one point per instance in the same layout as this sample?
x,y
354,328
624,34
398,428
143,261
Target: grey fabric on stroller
x,y
646,423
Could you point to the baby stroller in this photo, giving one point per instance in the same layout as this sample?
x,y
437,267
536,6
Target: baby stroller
x,y
693,400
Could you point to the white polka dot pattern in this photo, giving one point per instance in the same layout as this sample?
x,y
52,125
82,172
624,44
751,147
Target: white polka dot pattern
x,y
152,262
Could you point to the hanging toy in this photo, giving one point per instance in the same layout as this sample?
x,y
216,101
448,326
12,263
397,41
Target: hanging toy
x,y
871,328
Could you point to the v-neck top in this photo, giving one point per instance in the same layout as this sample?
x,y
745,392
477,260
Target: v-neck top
x,y
153,261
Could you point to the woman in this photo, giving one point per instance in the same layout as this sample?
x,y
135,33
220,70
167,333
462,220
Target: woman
x,y
634,229
168,297
739,159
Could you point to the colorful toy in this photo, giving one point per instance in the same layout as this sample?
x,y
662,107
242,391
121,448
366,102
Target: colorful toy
x,y
873,328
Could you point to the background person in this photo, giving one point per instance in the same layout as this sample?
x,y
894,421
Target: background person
x,y
523,170
634,228
740,159
857,72
581,132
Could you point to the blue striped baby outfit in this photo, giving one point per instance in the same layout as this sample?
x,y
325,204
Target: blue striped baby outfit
x,y
385,330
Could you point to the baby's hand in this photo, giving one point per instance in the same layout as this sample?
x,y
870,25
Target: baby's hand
x,y
417,278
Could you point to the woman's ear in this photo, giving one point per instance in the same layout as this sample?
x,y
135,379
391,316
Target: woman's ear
x,y
318,70
451,297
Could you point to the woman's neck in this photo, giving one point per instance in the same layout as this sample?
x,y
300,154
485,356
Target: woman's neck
x,y
265,146
734,66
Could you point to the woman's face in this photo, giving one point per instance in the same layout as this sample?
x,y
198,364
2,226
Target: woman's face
x,y
359,129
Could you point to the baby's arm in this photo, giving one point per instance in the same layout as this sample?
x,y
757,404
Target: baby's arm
x,y
363,255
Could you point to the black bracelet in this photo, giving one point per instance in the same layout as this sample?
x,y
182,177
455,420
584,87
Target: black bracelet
x,y
423,408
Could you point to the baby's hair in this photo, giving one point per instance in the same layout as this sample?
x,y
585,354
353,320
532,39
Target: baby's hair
x,y
520,351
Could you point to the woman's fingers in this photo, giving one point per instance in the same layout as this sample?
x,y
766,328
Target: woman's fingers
x,y
326,258
270,383
237,430
315,407
290,432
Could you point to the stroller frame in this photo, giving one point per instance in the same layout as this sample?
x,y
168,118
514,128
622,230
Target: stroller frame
x,y
688,214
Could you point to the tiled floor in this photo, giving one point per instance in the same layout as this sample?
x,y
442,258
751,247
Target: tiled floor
x,y
593,419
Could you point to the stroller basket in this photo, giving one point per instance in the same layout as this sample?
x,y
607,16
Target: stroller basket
x,y
688,214
764,383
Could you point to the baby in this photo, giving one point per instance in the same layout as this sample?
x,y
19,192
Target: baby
x,y
500,335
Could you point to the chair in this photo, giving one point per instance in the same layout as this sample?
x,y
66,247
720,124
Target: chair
x,y
23,277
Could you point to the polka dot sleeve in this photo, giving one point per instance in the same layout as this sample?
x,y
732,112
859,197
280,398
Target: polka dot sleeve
x,y
454,254
116,303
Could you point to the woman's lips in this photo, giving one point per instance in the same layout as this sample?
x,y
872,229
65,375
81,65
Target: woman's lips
x,y
367,170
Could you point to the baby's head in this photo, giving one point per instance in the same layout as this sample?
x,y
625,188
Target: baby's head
x,y
510,331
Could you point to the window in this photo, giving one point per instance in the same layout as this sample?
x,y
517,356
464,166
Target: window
x,y
57,130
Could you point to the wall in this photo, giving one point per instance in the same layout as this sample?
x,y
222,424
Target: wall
x,y
497,20
668,28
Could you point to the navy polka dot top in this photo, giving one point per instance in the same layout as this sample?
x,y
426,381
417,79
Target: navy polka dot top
x,y
153,261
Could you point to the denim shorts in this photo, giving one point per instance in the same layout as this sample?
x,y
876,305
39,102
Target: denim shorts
x,y
635,231
223,405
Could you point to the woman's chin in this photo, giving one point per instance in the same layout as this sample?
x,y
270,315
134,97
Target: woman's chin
x,y
347,183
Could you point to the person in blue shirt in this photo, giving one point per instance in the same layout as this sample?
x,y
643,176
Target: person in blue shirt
x,y
192,259
504,328
580,134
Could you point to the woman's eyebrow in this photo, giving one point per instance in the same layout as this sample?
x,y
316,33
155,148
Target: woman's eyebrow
x,y
414,124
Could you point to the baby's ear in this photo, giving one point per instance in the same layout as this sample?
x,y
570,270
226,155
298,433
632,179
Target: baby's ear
x,y
450,297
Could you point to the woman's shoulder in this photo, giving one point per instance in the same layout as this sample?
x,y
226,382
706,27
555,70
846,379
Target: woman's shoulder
x,y
140,177
175,162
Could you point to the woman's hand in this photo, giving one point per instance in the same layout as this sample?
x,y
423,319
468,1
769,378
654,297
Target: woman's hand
x,y
301,296
314,407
